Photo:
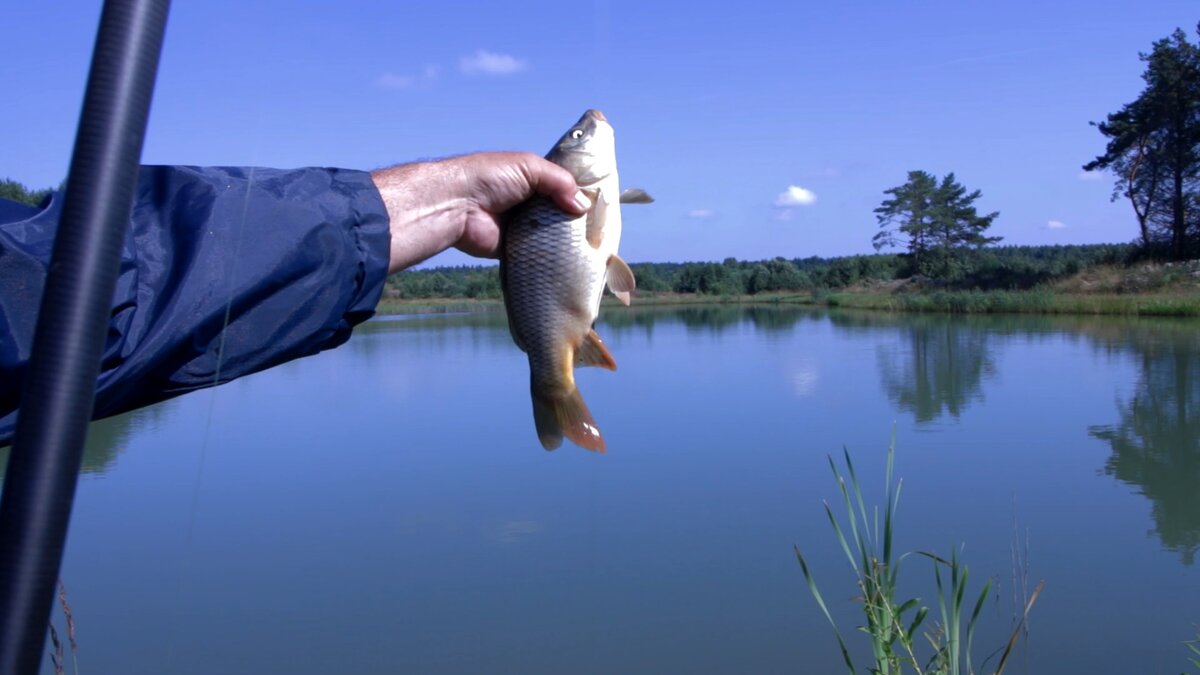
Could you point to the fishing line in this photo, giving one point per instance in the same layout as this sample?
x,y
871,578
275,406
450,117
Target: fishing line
x,y
205,437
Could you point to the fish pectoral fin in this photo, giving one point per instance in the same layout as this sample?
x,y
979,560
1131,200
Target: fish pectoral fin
x,y
565,415
593,353
620,279
636,196
596,218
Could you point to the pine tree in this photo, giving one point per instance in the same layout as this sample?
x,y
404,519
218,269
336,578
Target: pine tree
x,y
1154,148
936,222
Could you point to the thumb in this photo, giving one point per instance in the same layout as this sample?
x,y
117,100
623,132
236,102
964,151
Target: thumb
x,y
553,181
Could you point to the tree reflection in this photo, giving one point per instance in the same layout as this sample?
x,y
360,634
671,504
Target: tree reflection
x,y
1156,443
939,363
106,439
939,371
780,318
712,318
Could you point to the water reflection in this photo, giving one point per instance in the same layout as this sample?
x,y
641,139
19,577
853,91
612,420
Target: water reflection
x,y
940,370
106,439
710,319
1156,443
706,318
936,368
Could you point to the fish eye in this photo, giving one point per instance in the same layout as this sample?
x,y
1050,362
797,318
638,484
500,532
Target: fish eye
x,y
577,133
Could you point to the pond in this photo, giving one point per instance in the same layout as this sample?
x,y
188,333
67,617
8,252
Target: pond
x,y
386,506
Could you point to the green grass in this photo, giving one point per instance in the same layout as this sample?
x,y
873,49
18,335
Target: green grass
x,y
894,626
1194,650
1021,302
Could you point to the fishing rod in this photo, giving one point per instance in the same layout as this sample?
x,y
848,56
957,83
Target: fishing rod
x,y
60,381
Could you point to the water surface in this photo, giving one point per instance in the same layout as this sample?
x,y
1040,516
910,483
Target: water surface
x,y
385,507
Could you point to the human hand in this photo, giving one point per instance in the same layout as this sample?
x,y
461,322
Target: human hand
x,y
458,201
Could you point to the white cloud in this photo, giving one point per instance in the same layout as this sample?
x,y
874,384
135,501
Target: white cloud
x,y
398,81
1056,225
490,63
701,214
795,196
1091,175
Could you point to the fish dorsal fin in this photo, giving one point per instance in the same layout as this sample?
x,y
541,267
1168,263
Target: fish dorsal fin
x,y
596,218
620,278
636,196
593,353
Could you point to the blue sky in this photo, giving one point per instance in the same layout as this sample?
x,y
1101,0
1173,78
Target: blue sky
x,y
762,128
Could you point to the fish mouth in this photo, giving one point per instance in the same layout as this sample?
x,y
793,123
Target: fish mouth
x,y
596,114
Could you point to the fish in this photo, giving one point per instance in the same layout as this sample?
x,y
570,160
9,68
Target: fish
x,y
554,267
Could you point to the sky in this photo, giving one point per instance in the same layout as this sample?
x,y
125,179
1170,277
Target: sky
x,y
762,129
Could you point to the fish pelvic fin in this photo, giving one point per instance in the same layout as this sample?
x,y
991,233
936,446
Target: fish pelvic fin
x,y
620,279
567,415
593,353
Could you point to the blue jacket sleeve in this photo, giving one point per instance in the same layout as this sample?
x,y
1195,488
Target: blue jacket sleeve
x,y
224,272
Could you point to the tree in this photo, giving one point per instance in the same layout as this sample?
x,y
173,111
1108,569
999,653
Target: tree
x,y
14,191
936,222
1154,147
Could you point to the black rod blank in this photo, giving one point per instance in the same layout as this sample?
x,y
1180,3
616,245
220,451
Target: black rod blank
x,y
57,399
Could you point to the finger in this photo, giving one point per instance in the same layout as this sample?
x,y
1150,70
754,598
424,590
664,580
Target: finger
x,y
555,182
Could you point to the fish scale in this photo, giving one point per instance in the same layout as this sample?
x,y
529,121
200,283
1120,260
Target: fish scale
x,y
544,315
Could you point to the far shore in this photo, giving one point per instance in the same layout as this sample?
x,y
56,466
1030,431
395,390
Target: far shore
x,y
1175,302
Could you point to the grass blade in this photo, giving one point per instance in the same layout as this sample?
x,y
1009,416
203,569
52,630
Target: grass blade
x,y
816,593
987,586
841,537
1012,640
862,507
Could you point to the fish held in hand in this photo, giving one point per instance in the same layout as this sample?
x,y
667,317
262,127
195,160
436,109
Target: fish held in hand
x,y
554,267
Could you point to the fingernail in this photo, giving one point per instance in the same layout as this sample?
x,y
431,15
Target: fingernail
x,y
583,200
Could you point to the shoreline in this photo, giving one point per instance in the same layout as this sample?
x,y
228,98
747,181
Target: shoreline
x,y
1179,304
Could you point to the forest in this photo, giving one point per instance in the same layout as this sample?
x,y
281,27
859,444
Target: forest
x,y
994,268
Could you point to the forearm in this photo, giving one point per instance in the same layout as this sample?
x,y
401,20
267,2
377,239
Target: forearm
x,y
426,208
225,270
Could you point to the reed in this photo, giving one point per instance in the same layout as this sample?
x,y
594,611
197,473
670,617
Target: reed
x,y
70,617
894,625
57,652
1194,649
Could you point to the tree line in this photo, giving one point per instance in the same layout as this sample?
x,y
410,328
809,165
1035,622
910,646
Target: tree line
x,y
16,192
1006,267
1152,152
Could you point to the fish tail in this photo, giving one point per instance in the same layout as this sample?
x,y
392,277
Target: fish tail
x,y
558,415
